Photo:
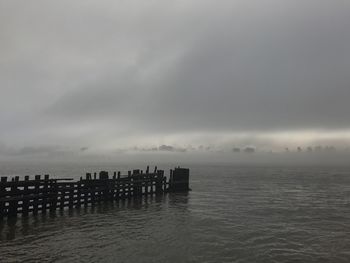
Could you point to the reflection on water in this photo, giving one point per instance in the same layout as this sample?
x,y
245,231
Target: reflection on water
x,y
233,214
23,226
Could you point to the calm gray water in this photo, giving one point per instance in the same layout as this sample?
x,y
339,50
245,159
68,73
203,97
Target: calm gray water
x,y
233,214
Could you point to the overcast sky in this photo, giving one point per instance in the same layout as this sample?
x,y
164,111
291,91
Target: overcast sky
x,y
99,76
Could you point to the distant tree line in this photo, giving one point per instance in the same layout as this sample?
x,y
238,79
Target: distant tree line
x,y
299,149
247,149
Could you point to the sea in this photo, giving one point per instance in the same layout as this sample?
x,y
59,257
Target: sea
x,y
233,213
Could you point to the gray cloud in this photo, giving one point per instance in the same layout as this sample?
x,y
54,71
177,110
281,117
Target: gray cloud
x,y
124,73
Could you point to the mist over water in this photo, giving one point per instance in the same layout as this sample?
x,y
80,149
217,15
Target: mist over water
x,y
233,214
252,96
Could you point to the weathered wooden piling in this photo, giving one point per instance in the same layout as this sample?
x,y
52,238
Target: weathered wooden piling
x,y
25,208
3,181
31,196
179,180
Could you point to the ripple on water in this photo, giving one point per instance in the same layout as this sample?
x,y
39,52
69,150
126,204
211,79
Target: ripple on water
x,y
232,215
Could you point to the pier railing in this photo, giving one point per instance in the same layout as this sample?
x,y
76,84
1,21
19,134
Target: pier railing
x,y
47,194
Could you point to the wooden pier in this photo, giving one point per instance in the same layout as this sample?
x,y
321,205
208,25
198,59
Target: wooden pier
x,y
47,194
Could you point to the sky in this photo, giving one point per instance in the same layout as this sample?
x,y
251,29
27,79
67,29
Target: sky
x,y
105,77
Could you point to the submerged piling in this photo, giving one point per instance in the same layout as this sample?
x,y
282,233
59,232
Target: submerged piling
x,y
31,196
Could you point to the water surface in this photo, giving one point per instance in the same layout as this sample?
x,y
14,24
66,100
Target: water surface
x,y
233,214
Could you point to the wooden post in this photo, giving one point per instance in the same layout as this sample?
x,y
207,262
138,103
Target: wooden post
x,y
103,175
93,193
112,186
62,192
164,184
179,180
86,193
151,179
53,194
2,194
123,188
71,195
127,189
45,193
117,185
36,194
78,194
104,193
25,206
145,182
159,182
135,183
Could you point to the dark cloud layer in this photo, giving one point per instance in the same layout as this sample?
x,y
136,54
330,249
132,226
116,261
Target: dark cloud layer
x,y
114,74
